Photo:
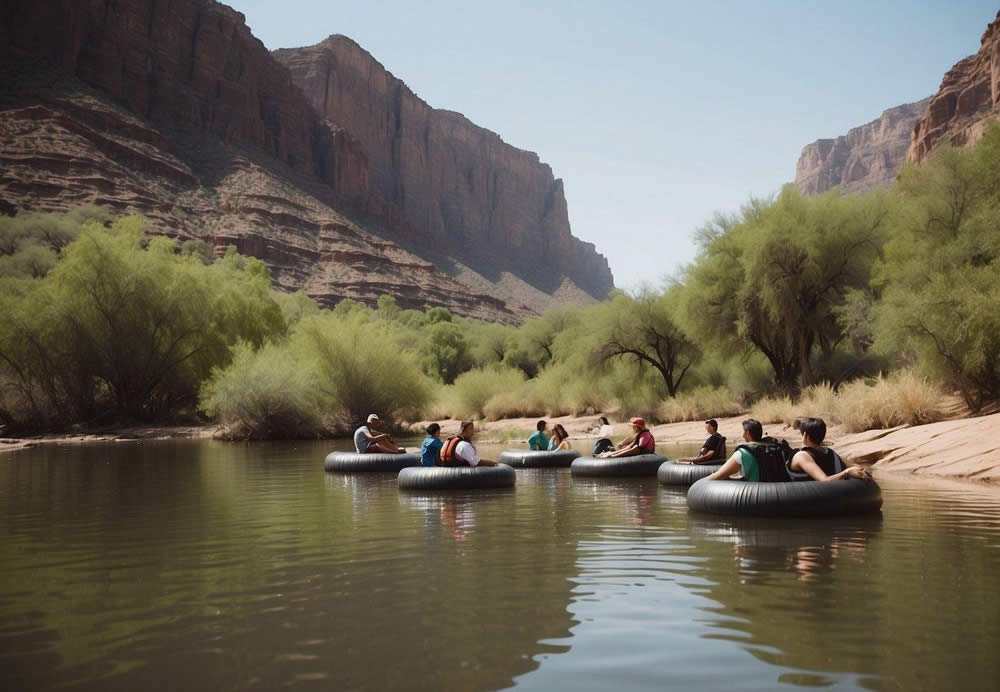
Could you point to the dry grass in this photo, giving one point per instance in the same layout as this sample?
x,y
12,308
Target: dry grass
x,y
699,404
885,402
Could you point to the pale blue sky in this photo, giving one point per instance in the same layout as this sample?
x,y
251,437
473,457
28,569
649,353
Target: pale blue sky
x,y
655,114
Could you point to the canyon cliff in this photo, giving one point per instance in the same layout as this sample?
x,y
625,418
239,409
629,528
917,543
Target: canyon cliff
x,y
866,157
968,99
495,206
175,110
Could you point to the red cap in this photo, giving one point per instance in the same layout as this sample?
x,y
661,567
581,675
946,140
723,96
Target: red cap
x,y
639,421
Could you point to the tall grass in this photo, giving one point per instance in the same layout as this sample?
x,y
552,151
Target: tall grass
x,y
698,404
474,388
864,404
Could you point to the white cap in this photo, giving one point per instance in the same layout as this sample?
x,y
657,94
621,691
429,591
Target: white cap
x,y
372,416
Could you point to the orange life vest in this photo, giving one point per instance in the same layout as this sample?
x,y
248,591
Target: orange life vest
x,y
448,456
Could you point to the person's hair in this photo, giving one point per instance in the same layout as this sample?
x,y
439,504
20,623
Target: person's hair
x,y
433,429
465,424
753,426
540,426
714,423
814,428
560,432
604,420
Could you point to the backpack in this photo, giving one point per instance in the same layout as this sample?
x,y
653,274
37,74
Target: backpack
x,y
772,458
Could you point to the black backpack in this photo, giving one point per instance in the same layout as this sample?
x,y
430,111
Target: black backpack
x,y
772,458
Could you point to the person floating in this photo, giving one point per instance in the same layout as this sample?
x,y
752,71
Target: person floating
x,y
603,443
606,429
430,450
560,439
366,440
758,459
714,449
814,462
459,451
538,441
641,442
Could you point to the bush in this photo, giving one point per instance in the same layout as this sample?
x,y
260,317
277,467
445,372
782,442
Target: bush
x,y
474,388
262,395
901,399
699,404
773,409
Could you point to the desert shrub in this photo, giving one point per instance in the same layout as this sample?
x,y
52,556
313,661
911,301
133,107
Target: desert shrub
x,y
357,371
474,388
775,409
263,394
885,402
698,404
518,403
445,353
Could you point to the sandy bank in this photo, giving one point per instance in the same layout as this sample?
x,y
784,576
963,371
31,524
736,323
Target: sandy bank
x,y
129,434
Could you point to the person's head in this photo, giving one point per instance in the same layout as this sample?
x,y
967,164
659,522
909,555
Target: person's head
x,y
560,432
604,420
638,424
813,431
752,430
468,429
434,430
712,426
540,425
372,420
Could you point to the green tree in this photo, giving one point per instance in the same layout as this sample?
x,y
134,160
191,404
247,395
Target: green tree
x,y
446,353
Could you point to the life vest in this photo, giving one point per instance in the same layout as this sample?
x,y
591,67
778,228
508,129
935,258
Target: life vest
x,y
448,456
772,457
649,449
825,458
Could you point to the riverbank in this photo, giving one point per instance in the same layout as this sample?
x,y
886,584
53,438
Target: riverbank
x,y
962,448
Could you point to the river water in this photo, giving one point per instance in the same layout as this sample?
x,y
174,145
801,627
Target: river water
x,y
200,565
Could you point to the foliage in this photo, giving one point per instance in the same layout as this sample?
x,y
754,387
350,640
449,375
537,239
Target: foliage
x,y
940,280
700,403
32,242
445,353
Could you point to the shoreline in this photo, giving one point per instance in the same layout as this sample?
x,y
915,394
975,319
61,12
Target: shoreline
x,y
965,449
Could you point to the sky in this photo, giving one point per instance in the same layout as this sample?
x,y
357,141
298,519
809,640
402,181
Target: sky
x,y
656,115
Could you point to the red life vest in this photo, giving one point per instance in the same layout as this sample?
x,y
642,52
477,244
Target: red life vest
x,y
448,456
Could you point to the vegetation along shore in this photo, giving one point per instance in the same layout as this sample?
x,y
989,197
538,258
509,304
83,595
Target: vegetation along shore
x,y
876,311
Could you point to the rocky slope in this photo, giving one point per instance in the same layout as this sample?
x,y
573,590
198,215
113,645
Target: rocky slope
x,y
176,111
866,157
969,97
497,207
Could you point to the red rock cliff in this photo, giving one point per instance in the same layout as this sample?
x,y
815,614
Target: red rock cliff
x,y
969,97
485,202
866,157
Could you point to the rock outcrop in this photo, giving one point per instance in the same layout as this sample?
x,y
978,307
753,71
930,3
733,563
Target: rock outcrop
x,y
969,97
866,157
176,111
496,207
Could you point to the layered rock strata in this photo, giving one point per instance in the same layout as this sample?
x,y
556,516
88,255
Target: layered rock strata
x,y
966,102
176,111
866,157
493,205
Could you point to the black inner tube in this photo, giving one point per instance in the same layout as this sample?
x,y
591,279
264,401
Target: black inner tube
x,y
457,477
532,459
794,499
675,473
640,465
352,462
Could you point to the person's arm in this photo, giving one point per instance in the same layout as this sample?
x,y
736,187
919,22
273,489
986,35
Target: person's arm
x,y
627,452
803,462
702,456
728,469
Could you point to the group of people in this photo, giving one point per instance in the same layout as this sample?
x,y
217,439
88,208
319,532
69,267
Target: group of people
x,y
758,459
767,460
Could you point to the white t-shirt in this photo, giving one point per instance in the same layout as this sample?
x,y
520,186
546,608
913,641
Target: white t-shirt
x,y
605,431
467,452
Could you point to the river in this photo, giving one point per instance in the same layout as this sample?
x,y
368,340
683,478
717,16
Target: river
x,y
202,565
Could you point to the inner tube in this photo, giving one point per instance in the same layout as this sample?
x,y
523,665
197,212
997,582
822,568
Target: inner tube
x,y
673,473
352,462
639,465
793,499
529,459
457,477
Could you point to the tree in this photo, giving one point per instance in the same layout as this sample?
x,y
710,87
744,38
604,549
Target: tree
x,y
940,282
446,354
645,330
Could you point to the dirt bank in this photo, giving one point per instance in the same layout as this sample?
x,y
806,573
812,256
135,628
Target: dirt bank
x,y
129,434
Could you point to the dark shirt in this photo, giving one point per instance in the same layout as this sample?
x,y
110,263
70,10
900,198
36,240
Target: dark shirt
x,y
713,443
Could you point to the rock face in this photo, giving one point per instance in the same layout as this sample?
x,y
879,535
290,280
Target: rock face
x,y
968,98
174,109
495,206
866,157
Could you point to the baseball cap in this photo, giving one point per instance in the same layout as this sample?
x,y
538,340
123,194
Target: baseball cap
x,y
372,416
